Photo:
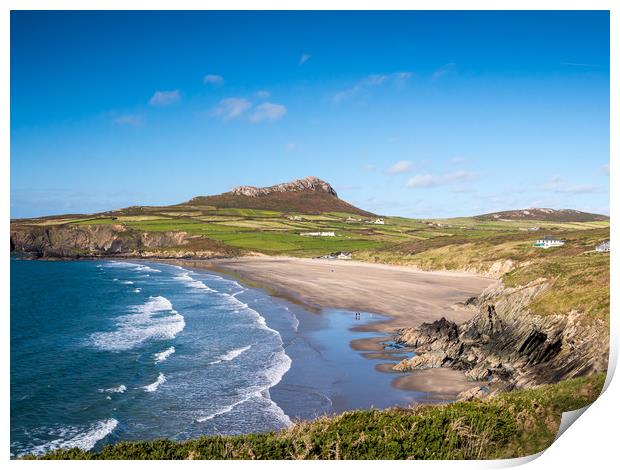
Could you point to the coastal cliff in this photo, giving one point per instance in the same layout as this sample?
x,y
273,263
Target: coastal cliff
x,y
114,240
509,345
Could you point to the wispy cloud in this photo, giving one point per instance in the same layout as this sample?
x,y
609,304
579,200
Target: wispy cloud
x,y
430,180
400,167
305,57
133,120
556,184
371,81
232,108
213,79
163,98
268,112
443,70
263,94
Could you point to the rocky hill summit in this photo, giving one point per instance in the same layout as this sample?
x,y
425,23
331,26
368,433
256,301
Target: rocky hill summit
x,y
545,214
310,183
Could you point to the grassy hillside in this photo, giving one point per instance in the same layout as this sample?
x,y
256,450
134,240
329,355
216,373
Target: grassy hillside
x,y
510,425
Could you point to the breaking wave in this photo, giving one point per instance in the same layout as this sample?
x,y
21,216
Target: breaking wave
x,y
153,320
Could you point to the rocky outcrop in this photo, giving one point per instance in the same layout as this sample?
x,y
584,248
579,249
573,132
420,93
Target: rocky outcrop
x,y
311,183
508,345
72,241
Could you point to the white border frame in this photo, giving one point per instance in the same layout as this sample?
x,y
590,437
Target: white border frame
x,y
592,442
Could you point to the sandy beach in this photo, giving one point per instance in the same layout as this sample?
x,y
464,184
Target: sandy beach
x,y
407,295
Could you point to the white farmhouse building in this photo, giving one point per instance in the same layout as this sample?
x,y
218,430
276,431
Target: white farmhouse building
x,y
603,247
548,242
379,222
318,234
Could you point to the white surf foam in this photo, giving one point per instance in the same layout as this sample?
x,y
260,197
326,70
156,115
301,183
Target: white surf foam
x,y
148,269
75,436
230,355
228,408
278,366
153,320
162,356
137,289
155,385
132,266
189,281
120,389
127,282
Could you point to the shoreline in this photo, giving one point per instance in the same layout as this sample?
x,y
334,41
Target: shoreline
x,y
438,384
294,285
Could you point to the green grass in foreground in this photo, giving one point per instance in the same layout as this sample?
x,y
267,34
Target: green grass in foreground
x,y
510,425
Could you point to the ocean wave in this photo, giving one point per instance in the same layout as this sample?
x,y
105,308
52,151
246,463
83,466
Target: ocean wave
x,y
154,320
227,408
148,269
230,355
189,281
161,378
137,290
162,356
132,266
84,438
120,389
127,282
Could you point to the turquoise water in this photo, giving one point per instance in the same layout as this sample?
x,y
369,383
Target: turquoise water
x,y
103,351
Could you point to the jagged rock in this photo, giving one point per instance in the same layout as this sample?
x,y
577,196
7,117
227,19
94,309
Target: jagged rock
x,y
311,183
504,341
426,361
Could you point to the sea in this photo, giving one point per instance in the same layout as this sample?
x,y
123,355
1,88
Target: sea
x,y
104,351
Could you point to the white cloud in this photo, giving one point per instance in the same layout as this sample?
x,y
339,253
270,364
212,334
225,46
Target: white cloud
x,y
232,108
163,98
402,166
263,94
556,184
430,180
371,81
133,120
213,79
268,112
443,70
424,181
305,57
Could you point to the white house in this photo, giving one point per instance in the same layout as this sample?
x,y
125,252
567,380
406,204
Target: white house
x,y
603,247
379,222
548,242
318,234
344,255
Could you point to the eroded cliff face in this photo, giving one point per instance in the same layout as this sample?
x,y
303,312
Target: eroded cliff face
x,y
71,241
508,345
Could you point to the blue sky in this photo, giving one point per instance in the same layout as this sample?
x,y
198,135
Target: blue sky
x,y
411,113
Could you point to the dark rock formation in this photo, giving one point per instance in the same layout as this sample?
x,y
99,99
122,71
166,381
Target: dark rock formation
x,y
507,344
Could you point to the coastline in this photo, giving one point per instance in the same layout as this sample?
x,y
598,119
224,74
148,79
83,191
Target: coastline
x,y
322,286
